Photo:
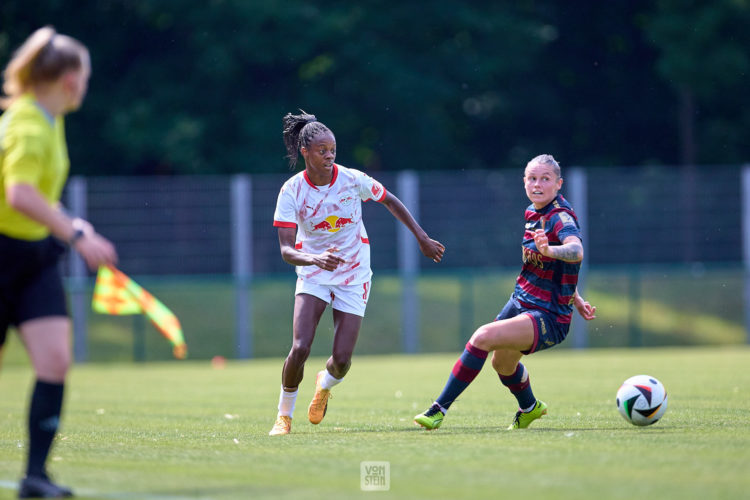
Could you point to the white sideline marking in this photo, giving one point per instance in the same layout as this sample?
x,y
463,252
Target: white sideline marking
x,y
13,485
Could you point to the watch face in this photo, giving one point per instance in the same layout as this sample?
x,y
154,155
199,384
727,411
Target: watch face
x,y
76,236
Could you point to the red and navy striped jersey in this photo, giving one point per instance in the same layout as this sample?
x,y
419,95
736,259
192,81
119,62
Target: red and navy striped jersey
x,y
544,282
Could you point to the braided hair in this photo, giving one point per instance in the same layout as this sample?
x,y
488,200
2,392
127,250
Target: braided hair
x,y
299,131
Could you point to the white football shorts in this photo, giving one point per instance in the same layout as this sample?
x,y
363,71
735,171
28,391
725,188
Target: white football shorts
x,y
345,298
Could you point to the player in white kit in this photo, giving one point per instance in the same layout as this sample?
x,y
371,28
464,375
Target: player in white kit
x,y
319,220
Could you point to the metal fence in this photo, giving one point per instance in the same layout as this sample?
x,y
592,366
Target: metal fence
x,y
634,216
183,225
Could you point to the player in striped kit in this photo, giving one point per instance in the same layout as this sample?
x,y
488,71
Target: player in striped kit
x,y
319,220
538,314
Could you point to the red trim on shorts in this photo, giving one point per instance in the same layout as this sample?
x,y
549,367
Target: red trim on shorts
x,y
366,241
364,295
298,246
536,334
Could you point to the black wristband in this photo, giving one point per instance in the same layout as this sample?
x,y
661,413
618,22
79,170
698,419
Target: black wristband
x,y
77,235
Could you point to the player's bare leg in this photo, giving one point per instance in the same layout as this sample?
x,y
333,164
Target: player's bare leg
x,y
515,377
505,361
513,334
307,313
346,330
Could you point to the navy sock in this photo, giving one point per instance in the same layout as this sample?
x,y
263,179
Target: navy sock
x,y
44,418
464,372
520,386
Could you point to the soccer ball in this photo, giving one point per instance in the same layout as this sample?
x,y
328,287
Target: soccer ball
x,y
642,400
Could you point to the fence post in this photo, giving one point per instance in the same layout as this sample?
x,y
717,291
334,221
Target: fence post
x,y
466,303
408,192
577,181
77,204
746,243
242,258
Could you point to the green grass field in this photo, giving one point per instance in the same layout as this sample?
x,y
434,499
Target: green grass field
x,y
665,306
186,430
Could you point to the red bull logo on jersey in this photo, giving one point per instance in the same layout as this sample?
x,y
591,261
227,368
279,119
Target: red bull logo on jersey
x,y
332,223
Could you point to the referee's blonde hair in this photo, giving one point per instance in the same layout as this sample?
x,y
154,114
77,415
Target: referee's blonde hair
x,y
44,57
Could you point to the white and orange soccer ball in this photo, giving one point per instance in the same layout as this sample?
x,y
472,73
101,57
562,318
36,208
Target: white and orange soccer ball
x,y
642,400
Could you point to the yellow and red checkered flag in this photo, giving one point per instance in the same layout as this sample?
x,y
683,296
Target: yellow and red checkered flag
x,y
115,293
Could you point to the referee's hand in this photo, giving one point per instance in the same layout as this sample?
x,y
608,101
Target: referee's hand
x,y
95,249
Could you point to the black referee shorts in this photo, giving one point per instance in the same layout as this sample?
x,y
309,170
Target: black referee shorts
x,y
30,281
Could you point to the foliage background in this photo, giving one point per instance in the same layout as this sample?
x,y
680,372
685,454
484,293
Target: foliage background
x,y
185,87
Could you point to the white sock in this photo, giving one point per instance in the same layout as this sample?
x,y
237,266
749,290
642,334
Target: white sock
x,y
527,410
329,380
525,376
286,402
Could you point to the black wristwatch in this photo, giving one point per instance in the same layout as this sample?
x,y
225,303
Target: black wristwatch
x,y
77,235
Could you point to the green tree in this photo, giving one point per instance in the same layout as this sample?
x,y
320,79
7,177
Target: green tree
x,y
705,58
191,86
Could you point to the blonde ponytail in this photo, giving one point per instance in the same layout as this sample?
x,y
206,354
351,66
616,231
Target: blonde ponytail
x,y
43,57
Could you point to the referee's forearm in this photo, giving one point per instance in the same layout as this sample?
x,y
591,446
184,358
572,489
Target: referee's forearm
x,y
25,198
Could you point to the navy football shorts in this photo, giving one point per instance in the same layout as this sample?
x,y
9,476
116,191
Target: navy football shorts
x,y
30,282
547,331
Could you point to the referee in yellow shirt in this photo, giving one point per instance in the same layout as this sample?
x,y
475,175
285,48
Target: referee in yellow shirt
x,y
46,78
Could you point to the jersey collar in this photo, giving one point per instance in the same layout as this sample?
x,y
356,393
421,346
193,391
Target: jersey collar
x,y
47,115
333,178
555,203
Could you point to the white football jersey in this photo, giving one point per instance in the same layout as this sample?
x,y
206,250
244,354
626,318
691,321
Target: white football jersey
x,y
330,216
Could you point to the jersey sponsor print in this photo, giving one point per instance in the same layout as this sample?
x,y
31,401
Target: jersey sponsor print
x,y
544,282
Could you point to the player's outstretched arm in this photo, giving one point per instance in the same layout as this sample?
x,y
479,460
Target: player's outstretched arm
x,y
432,249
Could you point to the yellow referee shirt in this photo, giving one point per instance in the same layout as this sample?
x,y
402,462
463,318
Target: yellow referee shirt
x,y
32,151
